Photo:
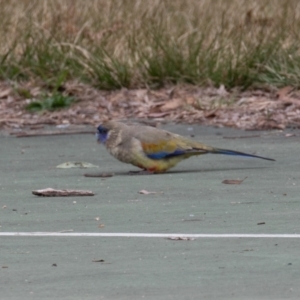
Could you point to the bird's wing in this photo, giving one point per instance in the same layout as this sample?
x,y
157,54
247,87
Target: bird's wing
x,y
160,144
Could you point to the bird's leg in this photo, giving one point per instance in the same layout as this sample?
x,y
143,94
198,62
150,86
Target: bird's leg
x,y
142,172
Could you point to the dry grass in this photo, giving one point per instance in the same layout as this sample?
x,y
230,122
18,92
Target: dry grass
x,y
227,58
135,43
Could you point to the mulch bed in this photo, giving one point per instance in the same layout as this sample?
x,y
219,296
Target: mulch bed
x,y
250,110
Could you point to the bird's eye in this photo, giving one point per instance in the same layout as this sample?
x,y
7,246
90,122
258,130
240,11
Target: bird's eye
x,y
102,130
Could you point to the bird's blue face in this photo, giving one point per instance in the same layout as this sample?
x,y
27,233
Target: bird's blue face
x,y
101,134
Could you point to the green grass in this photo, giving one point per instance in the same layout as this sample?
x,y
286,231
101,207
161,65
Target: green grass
x,y
138,43
52,98
54,102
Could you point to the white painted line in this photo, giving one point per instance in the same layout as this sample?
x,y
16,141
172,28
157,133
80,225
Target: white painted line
x,y
147,235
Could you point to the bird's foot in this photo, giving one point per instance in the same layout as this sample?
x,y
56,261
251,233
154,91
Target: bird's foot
x,y
142,172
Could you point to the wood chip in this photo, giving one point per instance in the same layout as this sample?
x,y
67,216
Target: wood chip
x,y
233,181
144,192
76,164
49,192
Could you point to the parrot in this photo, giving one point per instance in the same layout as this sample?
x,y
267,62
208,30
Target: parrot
x,y
151,149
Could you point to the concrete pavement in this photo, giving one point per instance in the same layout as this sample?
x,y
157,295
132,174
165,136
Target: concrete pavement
x,y
191,198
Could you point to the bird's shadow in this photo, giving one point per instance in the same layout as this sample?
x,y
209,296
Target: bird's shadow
x,y
136,173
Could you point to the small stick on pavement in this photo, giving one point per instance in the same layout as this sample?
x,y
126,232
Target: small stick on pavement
x,y
45,133
49,192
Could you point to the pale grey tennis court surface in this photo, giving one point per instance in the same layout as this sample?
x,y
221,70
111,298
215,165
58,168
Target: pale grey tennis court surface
x,y
189,200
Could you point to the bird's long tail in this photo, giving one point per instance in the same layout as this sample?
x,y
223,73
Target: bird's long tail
x,y
231,152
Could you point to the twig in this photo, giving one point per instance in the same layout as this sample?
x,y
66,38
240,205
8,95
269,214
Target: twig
x,y
49,192
41,133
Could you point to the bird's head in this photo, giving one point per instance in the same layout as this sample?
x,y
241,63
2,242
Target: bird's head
x,y
102,133
108,130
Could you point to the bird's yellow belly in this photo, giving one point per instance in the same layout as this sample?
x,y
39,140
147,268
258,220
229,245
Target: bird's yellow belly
x,y
158,166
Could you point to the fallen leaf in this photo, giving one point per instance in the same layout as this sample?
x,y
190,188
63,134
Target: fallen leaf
x,y
211,114
283,93
285,96
49,192
76,164
172,104
233,181
290,135
158,115
5,93
144,192
222,91
190,100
